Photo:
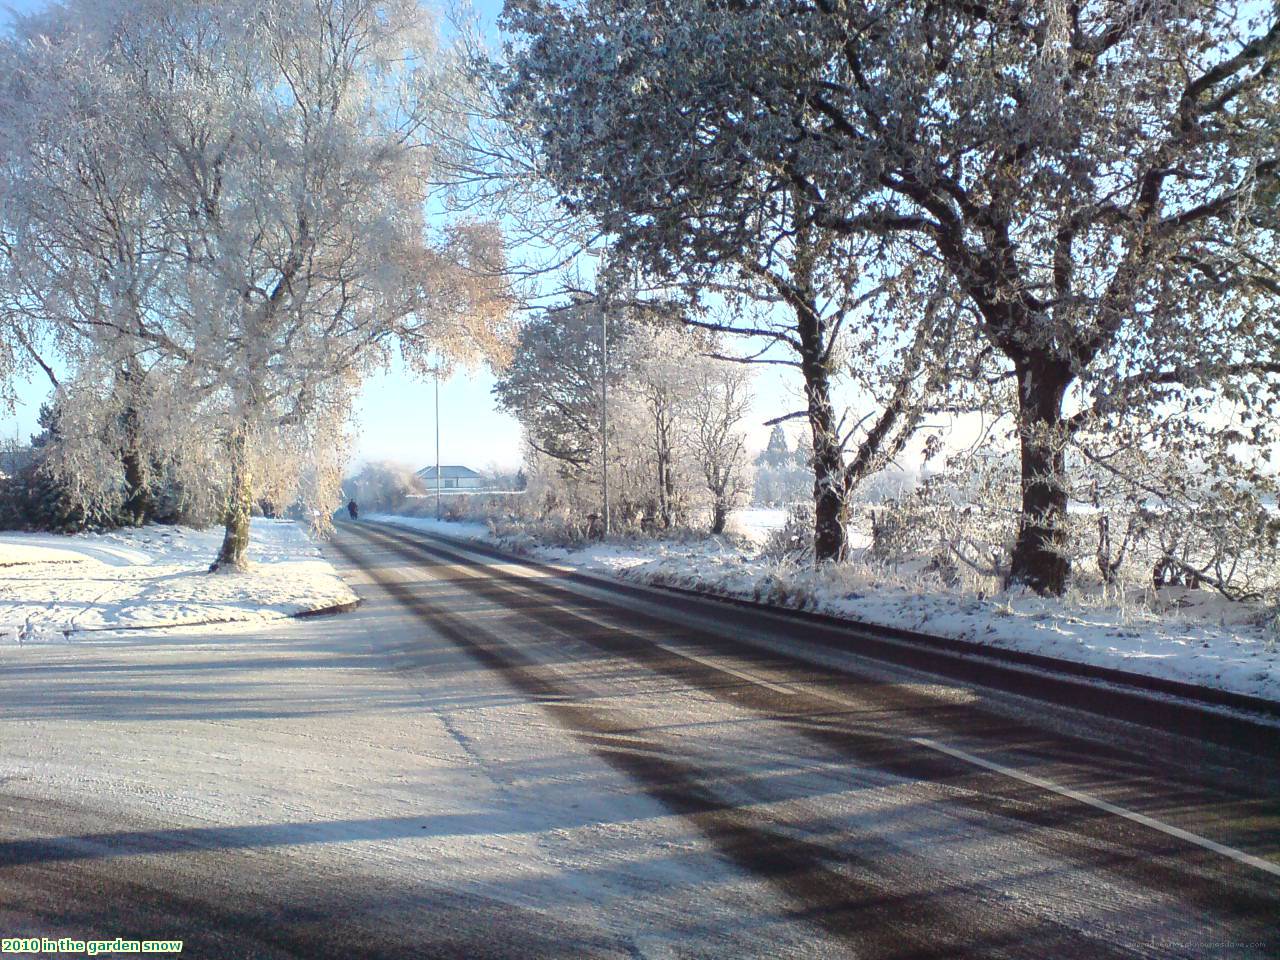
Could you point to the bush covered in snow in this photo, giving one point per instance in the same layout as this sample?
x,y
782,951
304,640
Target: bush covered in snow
x,y
959,526
131,488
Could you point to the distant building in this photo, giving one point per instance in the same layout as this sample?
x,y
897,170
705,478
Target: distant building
x,y
451,478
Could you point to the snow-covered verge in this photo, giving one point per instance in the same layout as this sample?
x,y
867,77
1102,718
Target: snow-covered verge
x,y
1195,637
53,587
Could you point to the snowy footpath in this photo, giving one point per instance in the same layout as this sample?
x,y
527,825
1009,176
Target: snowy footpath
x,y
1200,638
54,588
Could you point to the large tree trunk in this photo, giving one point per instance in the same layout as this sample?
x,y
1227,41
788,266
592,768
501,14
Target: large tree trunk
x,y
669,493
830,539
666,478
235,539
664,500
138,507
719,516
1040,554
830,482
830,487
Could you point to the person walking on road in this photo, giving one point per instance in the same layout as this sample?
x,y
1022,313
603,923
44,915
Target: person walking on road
x,y
353,510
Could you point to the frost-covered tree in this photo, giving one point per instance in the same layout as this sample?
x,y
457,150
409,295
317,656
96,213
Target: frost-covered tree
x,y
382,486
1098,179
552,383
674,411
718,404
776,452
83,256
661,379
783,476
273,154
606,92
689,407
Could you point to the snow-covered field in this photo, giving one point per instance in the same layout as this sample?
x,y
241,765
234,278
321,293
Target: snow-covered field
x,y
756,523
1200,638
54,587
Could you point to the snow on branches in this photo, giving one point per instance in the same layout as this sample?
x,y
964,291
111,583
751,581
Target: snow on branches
x,y
1097,181
674,420
231,197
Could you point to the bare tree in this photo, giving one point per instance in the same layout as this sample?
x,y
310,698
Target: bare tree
x,y
674,412
719,403
659,377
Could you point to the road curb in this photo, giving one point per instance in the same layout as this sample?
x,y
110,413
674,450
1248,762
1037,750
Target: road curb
x,y
1260,711
1176,688
346,607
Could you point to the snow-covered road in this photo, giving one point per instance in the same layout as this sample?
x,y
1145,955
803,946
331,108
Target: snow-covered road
x,y
481,761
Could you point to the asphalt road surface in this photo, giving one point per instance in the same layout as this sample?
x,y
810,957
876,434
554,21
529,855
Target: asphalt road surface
x,y
491,759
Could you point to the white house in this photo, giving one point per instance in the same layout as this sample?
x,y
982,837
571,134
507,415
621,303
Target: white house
x,y
451,478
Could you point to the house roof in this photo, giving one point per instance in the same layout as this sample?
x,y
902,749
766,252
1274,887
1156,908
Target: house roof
x,y
448,473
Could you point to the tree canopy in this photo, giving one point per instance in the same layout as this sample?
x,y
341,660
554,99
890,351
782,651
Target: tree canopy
x,y
1098,181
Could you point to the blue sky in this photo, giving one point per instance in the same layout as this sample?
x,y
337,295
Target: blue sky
x,y
395,413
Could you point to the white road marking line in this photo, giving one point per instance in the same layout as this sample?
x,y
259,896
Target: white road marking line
x,y
721,668
1238,855
584,615
1166,828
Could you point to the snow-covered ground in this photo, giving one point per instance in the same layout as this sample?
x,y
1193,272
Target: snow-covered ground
x,y
756,523
53,587
1199,638
364,769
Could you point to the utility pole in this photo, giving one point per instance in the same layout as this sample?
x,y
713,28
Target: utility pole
x,y
603,289
437,443
604,406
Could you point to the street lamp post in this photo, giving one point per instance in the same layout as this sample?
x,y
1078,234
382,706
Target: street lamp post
x,y
437,444
604,407
603,291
